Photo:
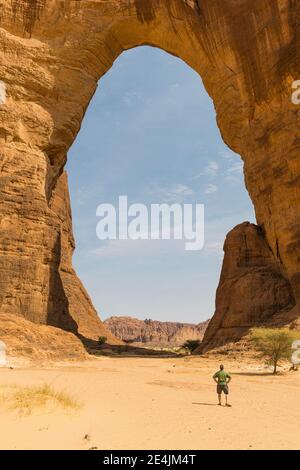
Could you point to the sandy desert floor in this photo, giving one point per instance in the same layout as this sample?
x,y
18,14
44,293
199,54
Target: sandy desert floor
x,y
154,403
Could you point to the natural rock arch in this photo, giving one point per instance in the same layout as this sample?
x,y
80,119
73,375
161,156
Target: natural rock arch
x,y
53,54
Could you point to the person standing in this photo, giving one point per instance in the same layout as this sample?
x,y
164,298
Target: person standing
x,y
222,379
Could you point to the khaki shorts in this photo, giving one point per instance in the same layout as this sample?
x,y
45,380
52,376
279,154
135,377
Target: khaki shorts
x,y
222,388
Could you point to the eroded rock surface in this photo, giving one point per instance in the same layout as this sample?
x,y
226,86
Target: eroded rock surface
x,y
52,55
74,311
42,343
155,333
252,288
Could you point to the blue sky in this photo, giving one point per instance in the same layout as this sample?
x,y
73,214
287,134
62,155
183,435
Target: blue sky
x,y
150,133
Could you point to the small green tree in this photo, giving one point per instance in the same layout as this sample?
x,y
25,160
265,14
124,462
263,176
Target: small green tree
x,y
102,340
273,344
191,345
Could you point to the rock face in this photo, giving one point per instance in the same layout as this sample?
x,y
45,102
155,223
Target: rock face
x,y
24,339
74,311
153,332
54,52
252,288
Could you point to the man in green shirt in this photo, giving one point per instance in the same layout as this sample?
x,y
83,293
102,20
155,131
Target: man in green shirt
x,y
222,380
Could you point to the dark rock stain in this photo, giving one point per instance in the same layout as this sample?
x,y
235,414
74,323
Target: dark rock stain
x,y
295,25
247,45
146,9
30,11
240,20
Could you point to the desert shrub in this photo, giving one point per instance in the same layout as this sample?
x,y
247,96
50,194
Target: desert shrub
x,y
26,399
191,344
273,344
102,340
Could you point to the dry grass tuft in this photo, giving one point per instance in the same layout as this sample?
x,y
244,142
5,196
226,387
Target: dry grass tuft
x,y
27,399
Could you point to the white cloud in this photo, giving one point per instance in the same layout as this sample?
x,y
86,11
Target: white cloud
x,y
236,168
227,154
211,169
175,193
210,189
235,172
130,96
183,189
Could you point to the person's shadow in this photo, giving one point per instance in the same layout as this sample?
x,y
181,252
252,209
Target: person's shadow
x,y
206,404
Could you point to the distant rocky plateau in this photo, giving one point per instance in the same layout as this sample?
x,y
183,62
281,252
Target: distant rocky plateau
x,y
153,332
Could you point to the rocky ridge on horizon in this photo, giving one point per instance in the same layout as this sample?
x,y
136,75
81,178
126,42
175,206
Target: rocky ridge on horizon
x,y
153,332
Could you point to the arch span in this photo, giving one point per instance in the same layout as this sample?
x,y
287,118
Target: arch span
x,y
53,54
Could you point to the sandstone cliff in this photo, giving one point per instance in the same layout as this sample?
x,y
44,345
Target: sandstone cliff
x,y
53,54
25,340
75,312
154,332
252,288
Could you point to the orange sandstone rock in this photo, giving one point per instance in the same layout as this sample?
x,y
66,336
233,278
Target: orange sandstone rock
x,y
53,54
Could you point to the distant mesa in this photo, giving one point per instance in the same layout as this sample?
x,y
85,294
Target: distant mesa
x,y
153,332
